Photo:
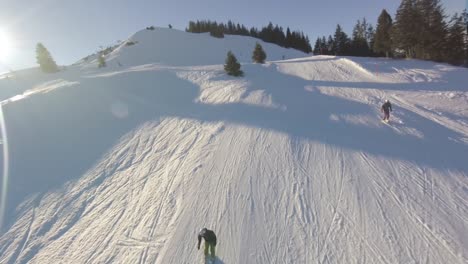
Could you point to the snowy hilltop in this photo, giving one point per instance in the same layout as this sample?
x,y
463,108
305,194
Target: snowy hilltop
x,y
288,164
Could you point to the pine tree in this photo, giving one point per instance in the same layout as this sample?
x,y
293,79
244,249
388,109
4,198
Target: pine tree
x,y
406,28
359,45
44,59
420,29
244,31
324,46
101,61
465,19
254,32
232,66
191,27
267,33
230,27
331,46
217,31
433,30
258,55
278,36
288,40
302,43
307,44
382,38
456,41
370,36
341,42
318,47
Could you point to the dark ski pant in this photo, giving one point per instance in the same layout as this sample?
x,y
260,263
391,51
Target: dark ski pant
x,y
209,247
386,115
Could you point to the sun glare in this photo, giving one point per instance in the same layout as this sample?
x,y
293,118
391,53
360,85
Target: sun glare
x,y
5,45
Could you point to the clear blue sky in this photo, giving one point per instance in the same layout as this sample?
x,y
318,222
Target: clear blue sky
x,y
72,29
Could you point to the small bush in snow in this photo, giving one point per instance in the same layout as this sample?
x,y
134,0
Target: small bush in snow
x,y
45,60
150,28
130,43
232,66
258,55
101,61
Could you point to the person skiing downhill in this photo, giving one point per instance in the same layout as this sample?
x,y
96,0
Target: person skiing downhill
x,y
386,109
210,241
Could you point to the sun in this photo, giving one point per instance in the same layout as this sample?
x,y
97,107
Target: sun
x,y
5,45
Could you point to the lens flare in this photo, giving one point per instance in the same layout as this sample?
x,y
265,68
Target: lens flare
x,y
6,45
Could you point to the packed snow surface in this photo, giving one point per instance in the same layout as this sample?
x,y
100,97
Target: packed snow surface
x,y
289,164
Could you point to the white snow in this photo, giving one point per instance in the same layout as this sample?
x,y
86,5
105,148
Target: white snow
x,y
289,164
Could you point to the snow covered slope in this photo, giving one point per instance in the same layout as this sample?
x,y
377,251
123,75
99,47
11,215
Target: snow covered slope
x,y
173,47
289,164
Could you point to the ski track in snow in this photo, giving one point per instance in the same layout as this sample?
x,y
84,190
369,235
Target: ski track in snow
x,y
192,148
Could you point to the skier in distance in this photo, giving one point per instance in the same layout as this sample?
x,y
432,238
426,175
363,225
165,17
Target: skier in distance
x,y
386,109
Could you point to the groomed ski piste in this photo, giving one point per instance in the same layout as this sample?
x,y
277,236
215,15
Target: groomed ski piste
x,y
288,164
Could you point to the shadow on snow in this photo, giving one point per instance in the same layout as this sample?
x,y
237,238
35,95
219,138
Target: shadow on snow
x,y
57,137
